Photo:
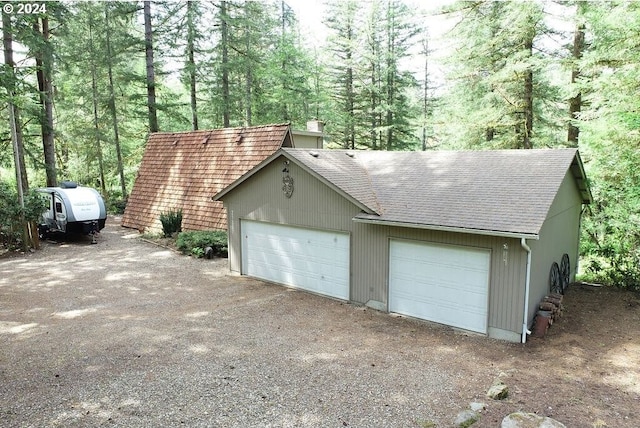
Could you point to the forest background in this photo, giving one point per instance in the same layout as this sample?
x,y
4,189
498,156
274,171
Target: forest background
x,y
84,83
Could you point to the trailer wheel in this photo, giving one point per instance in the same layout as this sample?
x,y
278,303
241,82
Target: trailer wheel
x,y
43,231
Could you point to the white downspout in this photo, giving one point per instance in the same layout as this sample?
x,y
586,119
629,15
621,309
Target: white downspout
x,y
527,284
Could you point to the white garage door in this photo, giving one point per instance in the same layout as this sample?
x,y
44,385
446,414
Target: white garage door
x,y
440,283
310,259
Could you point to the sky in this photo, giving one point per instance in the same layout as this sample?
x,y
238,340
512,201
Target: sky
x,y
310,15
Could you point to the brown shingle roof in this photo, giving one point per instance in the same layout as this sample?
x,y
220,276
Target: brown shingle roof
x,y
182,170
497,191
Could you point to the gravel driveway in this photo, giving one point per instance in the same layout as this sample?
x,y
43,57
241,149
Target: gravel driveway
x,y
126,333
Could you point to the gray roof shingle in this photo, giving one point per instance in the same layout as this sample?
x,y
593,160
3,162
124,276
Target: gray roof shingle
x,y
505,191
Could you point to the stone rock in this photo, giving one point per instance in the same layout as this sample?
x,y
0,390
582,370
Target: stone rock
x,y
477,407
466,418
529,420
498,391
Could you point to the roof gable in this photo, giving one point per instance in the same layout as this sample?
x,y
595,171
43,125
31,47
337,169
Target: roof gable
x,y
180,170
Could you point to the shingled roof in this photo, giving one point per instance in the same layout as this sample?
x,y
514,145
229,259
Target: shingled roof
x,y
489,192
181,170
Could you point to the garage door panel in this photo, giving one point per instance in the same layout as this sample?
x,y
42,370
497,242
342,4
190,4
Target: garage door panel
x,y
314,260
445,284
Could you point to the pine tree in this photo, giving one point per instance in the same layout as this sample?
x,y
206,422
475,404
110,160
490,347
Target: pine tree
x,y
500,84
151,80
343,44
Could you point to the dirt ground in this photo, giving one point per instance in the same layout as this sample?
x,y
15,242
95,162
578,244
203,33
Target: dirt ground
x,y
236,331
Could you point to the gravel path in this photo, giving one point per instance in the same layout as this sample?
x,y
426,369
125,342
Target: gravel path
x,y
125,333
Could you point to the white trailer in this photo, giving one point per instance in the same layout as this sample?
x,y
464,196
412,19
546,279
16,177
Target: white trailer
x,y
73,209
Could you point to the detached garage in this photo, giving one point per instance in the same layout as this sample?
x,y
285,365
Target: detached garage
x,y
461,238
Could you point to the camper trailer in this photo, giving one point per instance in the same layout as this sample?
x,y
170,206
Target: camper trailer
x,y
73,209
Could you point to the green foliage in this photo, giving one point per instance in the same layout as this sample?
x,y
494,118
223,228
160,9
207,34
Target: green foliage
x,y
197,252
171,222
610,128
611,225
195,242
117,206
12,214
498,46
367,75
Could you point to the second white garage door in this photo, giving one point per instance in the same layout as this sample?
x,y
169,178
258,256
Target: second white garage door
x,y
314,260
440,283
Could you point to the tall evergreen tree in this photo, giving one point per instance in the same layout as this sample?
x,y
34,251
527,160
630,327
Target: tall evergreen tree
x,y
15,124
610,119
151,79
575,102
501,86
43,53
343,44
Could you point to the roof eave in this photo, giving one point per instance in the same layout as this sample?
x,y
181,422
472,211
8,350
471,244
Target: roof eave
x,y
577,169
485,232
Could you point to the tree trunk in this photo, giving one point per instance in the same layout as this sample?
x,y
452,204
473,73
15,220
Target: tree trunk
x,y
248,74
151,80
224,39
283,63
44,66
96,126
248,96
425,92
528,98
390,76
191,65
14,116
351,137
374,106
112,105
575,103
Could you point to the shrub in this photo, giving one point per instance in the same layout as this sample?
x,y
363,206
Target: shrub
x,y
11,213
196,242
117,206
171,222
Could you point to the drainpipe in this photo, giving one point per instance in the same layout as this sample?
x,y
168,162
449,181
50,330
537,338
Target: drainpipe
x,y
527,285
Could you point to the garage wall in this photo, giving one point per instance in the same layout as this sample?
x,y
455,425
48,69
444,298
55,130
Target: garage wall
x,y
370,283
559,234
314,204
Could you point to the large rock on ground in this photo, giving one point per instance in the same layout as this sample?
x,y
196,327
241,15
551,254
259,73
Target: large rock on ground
x,y
498,391
466,418
529,420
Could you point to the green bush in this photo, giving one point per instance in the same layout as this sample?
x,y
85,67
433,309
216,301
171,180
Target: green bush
x,y
171,222
11,213
117,206
196,242
610,243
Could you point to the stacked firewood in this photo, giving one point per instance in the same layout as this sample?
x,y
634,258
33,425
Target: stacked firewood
x,y
550,309
552,303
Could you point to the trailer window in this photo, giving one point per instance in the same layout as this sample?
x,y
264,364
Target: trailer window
x,y
58,207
